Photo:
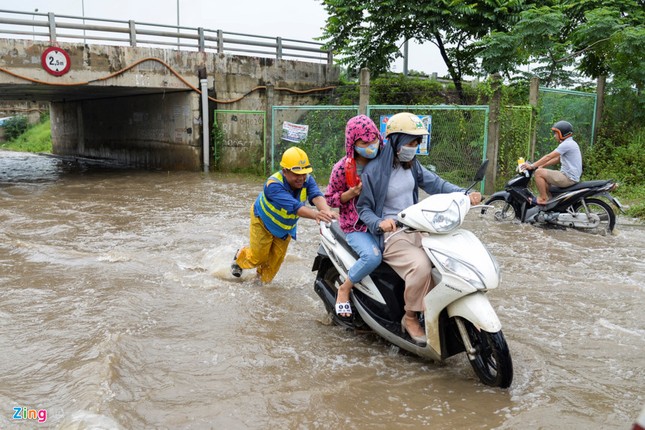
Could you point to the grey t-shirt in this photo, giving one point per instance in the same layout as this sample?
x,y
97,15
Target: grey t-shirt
x,y
570,158
399,192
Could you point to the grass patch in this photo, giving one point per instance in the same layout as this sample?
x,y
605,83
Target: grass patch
x,y
36,139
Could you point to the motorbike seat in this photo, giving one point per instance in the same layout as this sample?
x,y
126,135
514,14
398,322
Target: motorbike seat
x,y
578,186
340,237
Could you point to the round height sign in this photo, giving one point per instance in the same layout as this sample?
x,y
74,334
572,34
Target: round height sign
x,y
56,61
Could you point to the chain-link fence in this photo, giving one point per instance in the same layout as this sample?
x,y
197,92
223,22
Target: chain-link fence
x,y
515,127
457,136
457,142
579,108
318,130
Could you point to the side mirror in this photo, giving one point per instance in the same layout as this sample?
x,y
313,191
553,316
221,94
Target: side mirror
x,y
481,173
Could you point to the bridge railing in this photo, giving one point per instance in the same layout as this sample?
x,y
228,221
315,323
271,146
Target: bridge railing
x,y
64,28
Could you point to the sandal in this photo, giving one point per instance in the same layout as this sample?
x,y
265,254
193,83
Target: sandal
x,y
533,201
419,340
344,308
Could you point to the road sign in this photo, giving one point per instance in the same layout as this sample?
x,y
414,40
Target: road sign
x,y
55,61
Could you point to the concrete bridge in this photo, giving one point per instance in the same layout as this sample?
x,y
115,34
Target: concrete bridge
x,y
142,105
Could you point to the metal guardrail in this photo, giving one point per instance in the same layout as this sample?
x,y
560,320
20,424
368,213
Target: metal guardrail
x,y
65,28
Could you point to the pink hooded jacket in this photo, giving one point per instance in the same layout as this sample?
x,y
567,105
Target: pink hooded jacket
x,y
359,127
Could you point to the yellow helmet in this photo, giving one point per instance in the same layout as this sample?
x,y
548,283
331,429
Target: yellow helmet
x,y
296,160
407,123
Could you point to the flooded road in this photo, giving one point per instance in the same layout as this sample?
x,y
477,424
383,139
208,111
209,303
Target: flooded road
x,y
118,311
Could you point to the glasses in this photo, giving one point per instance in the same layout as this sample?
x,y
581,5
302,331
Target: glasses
x,y
297,169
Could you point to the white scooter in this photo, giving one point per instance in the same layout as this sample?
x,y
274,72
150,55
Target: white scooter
x,y
458,316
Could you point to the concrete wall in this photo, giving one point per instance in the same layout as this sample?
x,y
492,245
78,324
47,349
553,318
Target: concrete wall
x,y
233,77
30,109
148,131
147,115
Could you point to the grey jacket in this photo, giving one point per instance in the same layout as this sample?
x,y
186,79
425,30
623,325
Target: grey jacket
x,y
376,178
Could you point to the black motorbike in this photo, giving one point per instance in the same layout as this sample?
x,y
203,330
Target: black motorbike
x,y
578,206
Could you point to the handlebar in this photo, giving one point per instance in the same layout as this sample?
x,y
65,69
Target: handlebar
x,y
398,224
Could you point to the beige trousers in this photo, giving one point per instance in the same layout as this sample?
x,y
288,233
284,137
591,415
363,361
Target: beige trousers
x,y
403,252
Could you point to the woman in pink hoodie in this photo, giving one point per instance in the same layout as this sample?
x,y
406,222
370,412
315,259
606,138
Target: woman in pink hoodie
x,y
362,143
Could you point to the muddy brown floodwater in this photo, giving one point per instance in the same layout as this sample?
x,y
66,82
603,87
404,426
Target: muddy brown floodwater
x,y
117,311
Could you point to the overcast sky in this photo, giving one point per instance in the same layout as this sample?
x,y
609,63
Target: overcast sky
x,y
292,19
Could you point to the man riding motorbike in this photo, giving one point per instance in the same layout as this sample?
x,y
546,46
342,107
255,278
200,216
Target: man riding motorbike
x,y
567,153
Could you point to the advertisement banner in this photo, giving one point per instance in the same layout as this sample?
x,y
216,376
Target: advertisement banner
x,y
294,132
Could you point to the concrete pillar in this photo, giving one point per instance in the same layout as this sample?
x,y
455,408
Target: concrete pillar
x,y
364,94
80,127
534,92
493,134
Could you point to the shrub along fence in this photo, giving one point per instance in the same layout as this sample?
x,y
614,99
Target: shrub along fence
x,y
457,144
577,107
458,136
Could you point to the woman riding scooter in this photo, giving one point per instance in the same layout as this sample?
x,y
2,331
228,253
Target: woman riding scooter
x,y
391,183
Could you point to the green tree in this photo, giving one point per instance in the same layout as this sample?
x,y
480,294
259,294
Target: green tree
x,y
369,34
15,126
594,37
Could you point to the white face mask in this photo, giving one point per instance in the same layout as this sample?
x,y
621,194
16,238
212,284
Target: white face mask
x,y
407,153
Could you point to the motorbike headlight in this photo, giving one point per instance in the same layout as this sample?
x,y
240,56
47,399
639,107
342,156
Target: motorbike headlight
x,y
444,221
461,269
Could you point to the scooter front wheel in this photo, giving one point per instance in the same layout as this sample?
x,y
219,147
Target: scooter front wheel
x,y
501,210
489,356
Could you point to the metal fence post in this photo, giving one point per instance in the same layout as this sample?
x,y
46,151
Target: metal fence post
x,y
278,53
133,33
220,41
202,42
600,101
52,27
269,129
205,130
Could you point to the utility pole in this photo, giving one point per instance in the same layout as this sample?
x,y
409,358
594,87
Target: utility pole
x,y
83,15
405,58
33,27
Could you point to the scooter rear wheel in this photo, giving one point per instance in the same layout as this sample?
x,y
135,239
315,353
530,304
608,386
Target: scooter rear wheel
x,y
501,210
602,210
492,361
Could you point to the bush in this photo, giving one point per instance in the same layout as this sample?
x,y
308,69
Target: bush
x,y
15,126
36,139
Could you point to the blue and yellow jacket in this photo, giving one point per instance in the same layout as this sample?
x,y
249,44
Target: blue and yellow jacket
x,y
278,204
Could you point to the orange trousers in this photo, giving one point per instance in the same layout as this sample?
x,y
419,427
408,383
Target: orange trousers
x,y
265,251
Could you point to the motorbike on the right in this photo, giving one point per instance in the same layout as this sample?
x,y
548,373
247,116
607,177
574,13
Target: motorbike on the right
x,y
579,206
